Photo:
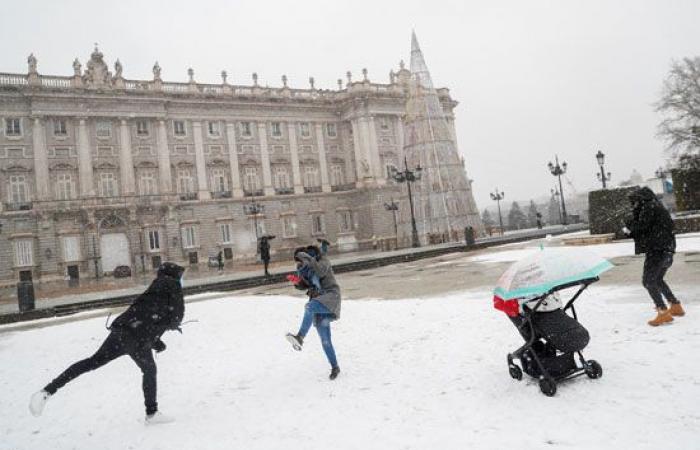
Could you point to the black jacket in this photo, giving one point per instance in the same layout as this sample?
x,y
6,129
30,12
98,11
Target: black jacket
x,y
264,248
161,307
651,224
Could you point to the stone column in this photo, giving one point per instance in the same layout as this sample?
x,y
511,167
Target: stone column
x,y
202,186
265,160
126,162
87,188
366,141
164,177
325,185
379,171
294,152
233,160
359,153
399,140
41,162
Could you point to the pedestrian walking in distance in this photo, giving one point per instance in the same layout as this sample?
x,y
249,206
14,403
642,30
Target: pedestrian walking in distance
x,y
315,273
651,228
220,260
136,333
264,250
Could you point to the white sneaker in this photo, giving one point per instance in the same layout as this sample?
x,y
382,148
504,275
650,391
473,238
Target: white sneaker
x,y
158,418
296,342
38,401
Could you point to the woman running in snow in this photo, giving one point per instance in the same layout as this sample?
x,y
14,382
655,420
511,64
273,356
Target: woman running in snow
x,y
316,274
136,333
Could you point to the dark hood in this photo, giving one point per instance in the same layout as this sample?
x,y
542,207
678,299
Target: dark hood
x,y
171,269
641,195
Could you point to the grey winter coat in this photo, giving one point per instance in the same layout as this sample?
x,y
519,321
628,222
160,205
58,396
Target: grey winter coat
x,y
330,298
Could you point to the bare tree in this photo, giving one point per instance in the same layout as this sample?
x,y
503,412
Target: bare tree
x,y
680,107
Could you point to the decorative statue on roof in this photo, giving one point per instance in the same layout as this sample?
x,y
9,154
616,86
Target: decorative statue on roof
x,y
118,69
76,67
156,71
97,73
31,62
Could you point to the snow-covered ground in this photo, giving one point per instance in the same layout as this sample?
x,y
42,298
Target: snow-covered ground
x,y
416,374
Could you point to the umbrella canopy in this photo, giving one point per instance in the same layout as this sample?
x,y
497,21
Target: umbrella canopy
x,y
547,269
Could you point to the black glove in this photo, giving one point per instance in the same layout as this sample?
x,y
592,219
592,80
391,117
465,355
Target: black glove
x,y
313,293
159,346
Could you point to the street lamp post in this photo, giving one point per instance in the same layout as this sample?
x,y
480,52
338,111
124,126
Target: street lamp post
x,y
555,193
602,176
498,196
410,176
393,206
559,170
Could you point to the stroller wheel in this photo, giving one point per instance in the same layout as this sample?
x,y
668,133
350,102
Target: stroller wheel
x,y
593,369
548,387
515,372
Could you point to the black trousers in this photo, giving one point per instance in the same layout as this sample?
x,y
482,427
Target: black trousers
x,y
118,343
655,266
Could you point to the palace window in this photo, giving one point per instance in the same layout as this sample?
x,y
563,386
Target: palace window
x,y
305,129
19,189
214,129
13,126
251,180
24,252
65,186
281,177
384,123
331,130
317,224
310,176
179,128
219,182
71,248
345,222
225,233
108,184
59,127
337,177
153,238
246,130
276,129
103,129
147,182
142,128
289,227
185,181
189,236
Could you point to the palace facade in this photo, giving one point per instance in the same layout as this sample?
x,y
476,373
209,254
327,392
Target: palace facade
x,y
98,171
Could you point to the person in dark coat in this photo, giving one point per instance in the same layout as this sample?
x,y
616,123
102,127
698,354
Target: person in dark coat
x,y
316,275
220,260
651,227
264,250
136,333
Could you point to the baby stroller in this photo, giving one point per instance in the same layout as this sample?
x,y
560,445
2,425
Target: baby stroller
x,y
554,340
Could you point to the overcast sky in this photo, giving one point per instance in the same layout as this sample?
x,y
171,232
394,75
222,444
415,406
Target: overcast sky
x,y
533,78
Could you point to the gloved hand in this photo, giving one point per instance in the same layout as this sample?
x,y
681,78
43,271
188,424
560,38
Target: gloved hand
x,y
627,231
159,346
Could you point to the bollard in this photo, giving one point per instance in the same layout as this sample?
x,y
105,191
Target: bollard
x,y
25,296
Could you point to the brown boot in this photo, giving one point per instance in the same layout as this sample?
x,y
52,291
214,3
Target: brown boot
x,y
676,310
662,316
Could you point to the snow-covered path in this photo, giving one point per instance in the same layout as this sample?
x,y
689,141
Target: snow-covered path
x,y
417,374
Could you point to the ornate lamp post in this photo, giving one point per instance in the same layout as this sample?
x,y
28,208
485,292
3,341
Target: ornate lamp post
x,y
558,171
555,193
410,176
393,206
498,196
602,176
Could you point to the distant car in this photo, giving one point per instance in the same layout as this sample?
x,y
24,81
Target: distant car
x,y
122,272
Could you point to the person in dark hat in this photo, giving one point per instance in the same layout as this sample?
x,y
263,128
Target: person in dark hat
x,y
651,227
136,333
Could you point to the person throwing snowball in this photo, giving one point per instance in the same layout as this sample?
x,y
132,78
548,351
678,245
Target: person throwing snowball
x,y
136,333
314,273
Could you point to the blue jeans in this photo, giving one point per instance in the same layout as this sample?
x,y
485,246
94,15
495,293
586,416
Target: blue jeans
x,y
320,316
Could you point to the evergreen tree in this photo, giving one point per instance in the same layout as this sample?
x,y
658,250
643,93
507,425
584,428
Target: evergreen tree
x,y
516,218
532,215
487,220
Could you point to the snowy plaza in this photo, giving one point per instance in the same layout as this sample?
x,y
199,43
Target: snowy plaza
x,y
418,371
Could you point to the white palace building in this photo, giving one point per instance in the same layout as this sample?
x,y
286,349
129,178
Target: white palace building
x,y
99,171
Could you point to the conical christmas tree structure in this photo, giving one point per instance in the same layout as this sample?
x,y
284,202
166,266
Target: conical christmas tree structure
x,y
444,200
